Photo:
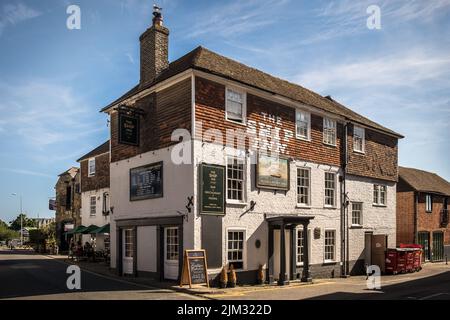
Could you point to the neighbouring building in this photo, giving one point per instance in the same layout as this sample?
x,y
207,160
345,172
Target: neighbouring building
x,y
323,206
68,206
422,212
95,206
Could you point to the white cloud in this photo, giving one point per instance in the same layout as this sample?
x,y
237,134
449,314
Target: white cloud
x,y
28,172
407,69
237,18
348,17
12,14
43,113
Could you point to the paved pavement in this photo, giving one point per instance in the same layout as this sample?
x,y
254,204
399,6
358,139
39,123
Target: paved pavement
x,y
24,275
432,283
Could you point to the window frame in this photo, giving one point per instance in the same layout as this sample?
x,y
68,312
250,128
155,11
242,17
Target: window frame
x,y
361,212
378,188
91,173
325,245
334,190
308,204
91,206
326,131
428,203
129,234
244,105
297,229
363,139
308,133
244,179
244,247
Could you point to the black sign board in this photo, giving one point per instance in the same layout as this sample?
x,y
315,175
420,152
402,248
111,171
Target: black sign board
x,y
146,182
128,129
195,270
212,189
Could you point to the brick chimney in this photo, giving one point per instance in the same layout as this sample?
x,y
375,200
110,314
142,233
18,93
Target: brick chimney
x,y
154,49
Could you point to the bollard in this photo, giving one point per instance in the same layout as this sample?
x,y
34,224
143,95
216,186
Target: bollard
x,y
446,259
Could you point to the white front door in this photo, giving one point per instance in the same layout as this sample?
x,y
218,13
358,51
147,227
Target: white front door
x,y
127,251
171,253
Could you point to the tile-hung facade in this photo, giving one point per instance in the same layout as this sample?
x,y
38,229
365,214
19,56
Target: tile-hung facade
x,y
422,212
95,199
211,97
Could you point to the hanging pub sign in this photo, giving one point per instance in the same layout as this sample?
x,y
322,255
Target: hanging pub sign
x,y
146,182
128,129
195,270
212,189
272,173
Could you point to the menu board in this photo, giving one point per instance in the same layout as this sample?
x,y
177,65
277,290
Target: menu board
x,y
128,130
212,189
194,268
146,182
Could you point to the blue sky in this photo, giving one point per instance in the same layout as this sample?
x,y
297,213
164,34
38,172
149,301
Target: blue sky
x,y
53,80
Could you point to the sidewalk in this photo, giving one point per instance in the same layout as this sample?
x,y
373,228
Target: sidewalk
x,y
201,291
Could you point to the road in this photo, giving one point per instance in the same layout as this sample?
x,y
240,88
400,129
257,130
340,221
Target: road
x,y
27,276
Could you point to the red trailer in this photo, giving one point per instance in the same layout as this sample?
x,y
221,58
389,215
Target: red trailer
x,y
409,265
395,261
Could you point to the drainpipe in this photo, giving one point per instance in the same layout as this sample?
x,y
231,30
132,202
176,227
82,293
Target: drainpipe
x,y
416,202
344,222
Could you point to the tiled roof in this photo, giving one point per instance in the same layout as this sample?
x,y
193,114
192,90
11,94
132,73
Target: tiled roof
x,y
103,148
205,60
424,181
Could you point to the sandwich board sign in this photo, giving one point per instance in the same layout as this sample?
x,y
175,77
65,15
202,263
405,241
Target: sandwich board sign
x,y
195,270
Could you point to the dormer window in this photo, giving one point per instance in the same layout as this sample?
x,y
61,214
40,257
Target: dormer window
x,y
91,167
358,139
235,105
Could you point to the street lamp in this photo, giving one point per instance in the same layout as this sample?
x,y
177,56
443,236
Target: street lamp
x,y
21,219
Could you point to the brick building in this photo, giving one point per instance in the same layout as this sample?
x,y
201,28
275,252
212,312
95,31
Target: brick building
x,y
95,208
316,208
422,212
68,205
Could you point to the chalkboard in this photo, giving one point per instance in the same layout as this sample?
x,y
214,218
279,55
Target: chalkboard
x,y
146,182
195,270
128,130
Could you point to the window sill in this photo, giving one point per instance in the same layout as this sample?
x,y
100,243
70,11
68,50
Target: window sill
x,y
236,203
303,138
362,153
242,123
302,206
379,205
330,207
329,262
329,145
91,175
356,226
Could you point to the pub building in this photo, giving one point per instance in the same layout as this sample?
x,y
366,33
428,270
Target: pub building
x,y
323,207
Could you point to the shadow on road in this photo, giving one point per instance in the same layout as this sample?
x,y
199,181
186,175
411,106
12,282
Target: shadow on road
x,y
31,276
430,288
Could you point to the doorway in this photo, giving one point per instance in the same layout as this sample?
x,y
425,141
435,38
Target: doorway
x,y
128,251
368,248
171,253
424,241
438,246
